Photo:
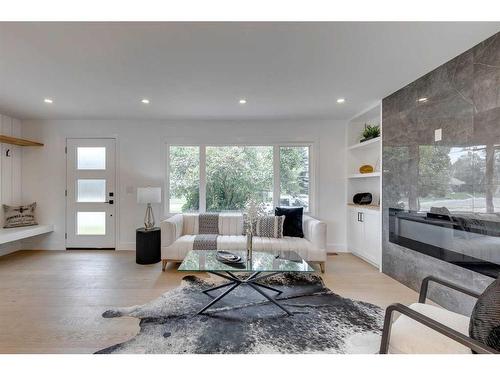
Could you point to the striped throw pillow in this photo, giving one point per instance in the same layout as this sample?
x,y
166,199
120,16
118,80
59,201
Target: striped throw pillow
x,y
270,226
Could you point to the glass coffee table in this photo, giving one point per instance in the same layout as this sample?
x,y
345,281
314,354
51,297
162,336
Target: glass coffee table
x,y
261,266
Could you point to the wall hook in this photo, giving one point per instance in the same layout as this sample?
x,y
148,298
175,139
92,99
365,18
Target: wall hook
x,y
7,153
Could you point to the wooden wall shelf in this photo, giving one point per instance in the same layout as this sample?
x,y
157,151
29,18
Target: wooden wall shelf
x,y
367,206
18,141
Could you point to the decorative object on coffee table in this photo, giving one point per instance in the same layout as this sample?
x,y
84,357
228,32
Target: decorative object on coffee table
x,y
228,257
253,210
148,195
147,246
249,244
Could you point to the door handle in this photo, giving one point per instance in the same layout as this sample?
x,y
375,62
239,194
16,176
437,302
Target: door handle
x,y
358,216
361,216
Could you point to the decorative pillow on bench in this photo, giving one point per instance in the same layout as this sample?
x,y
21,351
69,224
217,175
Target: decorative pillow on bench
x,y
293,220
19,216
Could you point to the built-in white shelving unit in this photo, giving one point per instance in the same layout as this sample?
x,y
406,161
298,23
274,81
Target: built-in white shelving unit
x,y
364,222
362,153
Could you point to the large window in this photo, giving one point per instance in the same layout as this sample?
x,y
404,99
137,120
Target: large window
x,y
294,176
235,173
223,177
184,178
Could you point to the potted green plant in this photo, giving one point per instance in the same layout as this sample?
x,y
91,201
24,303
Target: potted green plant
x,y
370,132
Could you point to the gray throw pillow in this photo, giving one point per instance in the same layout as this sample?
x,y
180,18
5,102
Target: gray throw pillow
x,y
19,216
270,226
485,318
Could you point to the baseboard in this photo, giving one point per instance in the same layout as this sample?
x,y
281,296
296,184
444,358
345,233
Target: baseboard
x,y
126,246
38,245
43,245
336,248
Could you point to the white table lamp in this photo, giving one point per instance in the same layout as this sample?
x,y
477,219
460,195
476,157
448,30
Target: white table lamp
x,y
148,195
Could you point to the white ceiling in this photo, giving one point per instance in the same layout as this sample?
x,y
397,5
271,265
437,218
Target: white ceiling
x,y
201,70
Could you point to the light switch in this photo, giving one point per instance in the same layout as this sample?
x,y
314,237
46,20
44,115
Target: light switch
x,y
438,135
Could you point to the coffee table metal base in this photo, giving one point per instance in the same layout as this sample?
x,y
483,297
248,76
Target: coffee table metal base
x,y
234,282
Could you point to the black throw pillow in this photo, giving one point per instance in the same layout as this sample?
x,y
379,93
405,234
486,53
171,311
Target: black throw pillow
x,y
485,319
292,227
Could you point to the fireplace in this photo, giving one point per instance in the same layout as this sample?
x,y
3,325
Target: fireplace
x,y
468,240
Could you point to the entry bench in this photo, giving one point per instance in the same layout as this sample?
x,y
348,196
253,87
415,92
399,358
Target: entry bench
x,y
15,234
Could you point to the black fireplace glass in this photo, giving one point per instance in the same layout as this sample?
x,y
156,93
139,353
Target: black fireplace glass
x,y
469,240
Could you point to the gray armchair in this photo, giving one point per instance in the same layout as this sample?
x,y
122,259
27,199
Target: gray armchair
x,y
423,328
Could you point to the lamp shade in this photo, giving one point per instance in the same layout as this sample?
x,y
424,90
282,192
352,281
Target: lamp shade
x,y
149,195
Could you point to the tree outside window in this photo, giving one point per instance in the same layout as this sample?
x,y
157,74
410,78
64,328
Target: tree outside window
x,y
294,176
184,178
236,173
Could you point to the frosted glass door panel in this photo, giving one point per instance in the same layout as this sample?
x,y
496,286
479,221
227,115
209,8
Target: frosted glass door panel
x,y
91,191
91,158
91,223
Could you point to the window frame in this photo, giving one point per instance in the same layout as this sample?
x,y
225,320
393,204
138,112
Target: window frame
x,y
276,170
166,189
277,175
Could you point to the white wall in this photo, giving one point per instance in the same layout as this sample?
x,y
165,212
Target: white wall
x,y
141,161
10,176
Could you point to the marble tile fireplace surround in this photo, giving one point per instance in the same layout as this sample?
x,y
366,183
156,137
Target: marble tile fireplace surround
x,y
441,175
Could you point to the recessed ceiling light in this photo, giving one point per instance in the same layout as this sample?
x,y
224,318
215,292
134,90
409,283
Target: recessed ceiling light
x,y
48,100
340,100
145,101
422,100
243,101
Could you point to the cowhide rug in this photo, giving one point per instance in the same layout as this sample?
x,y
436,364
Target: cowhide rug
x,y
242,322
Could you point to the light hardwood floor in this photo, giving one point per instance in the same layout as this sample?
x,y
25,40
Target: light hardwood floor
x,y
52,301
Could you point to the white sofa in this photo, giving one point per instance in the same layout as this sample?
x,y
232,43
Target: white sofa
x,y
178,233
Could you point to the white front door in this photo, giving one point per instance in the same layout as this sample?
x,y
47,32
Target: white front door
x,y
90,193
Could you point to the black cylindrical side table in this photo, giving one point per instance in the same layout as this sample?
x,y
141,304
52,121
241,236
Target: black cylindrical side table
x,y
147,246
